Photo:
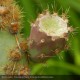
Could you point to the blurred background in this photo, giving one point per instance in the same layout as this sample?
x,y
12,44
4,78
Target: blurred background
x,y
66,62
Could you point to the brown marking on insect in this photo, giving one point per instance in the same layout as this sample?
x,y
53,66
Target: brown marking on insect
x,y
3,10
15,55
14,27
